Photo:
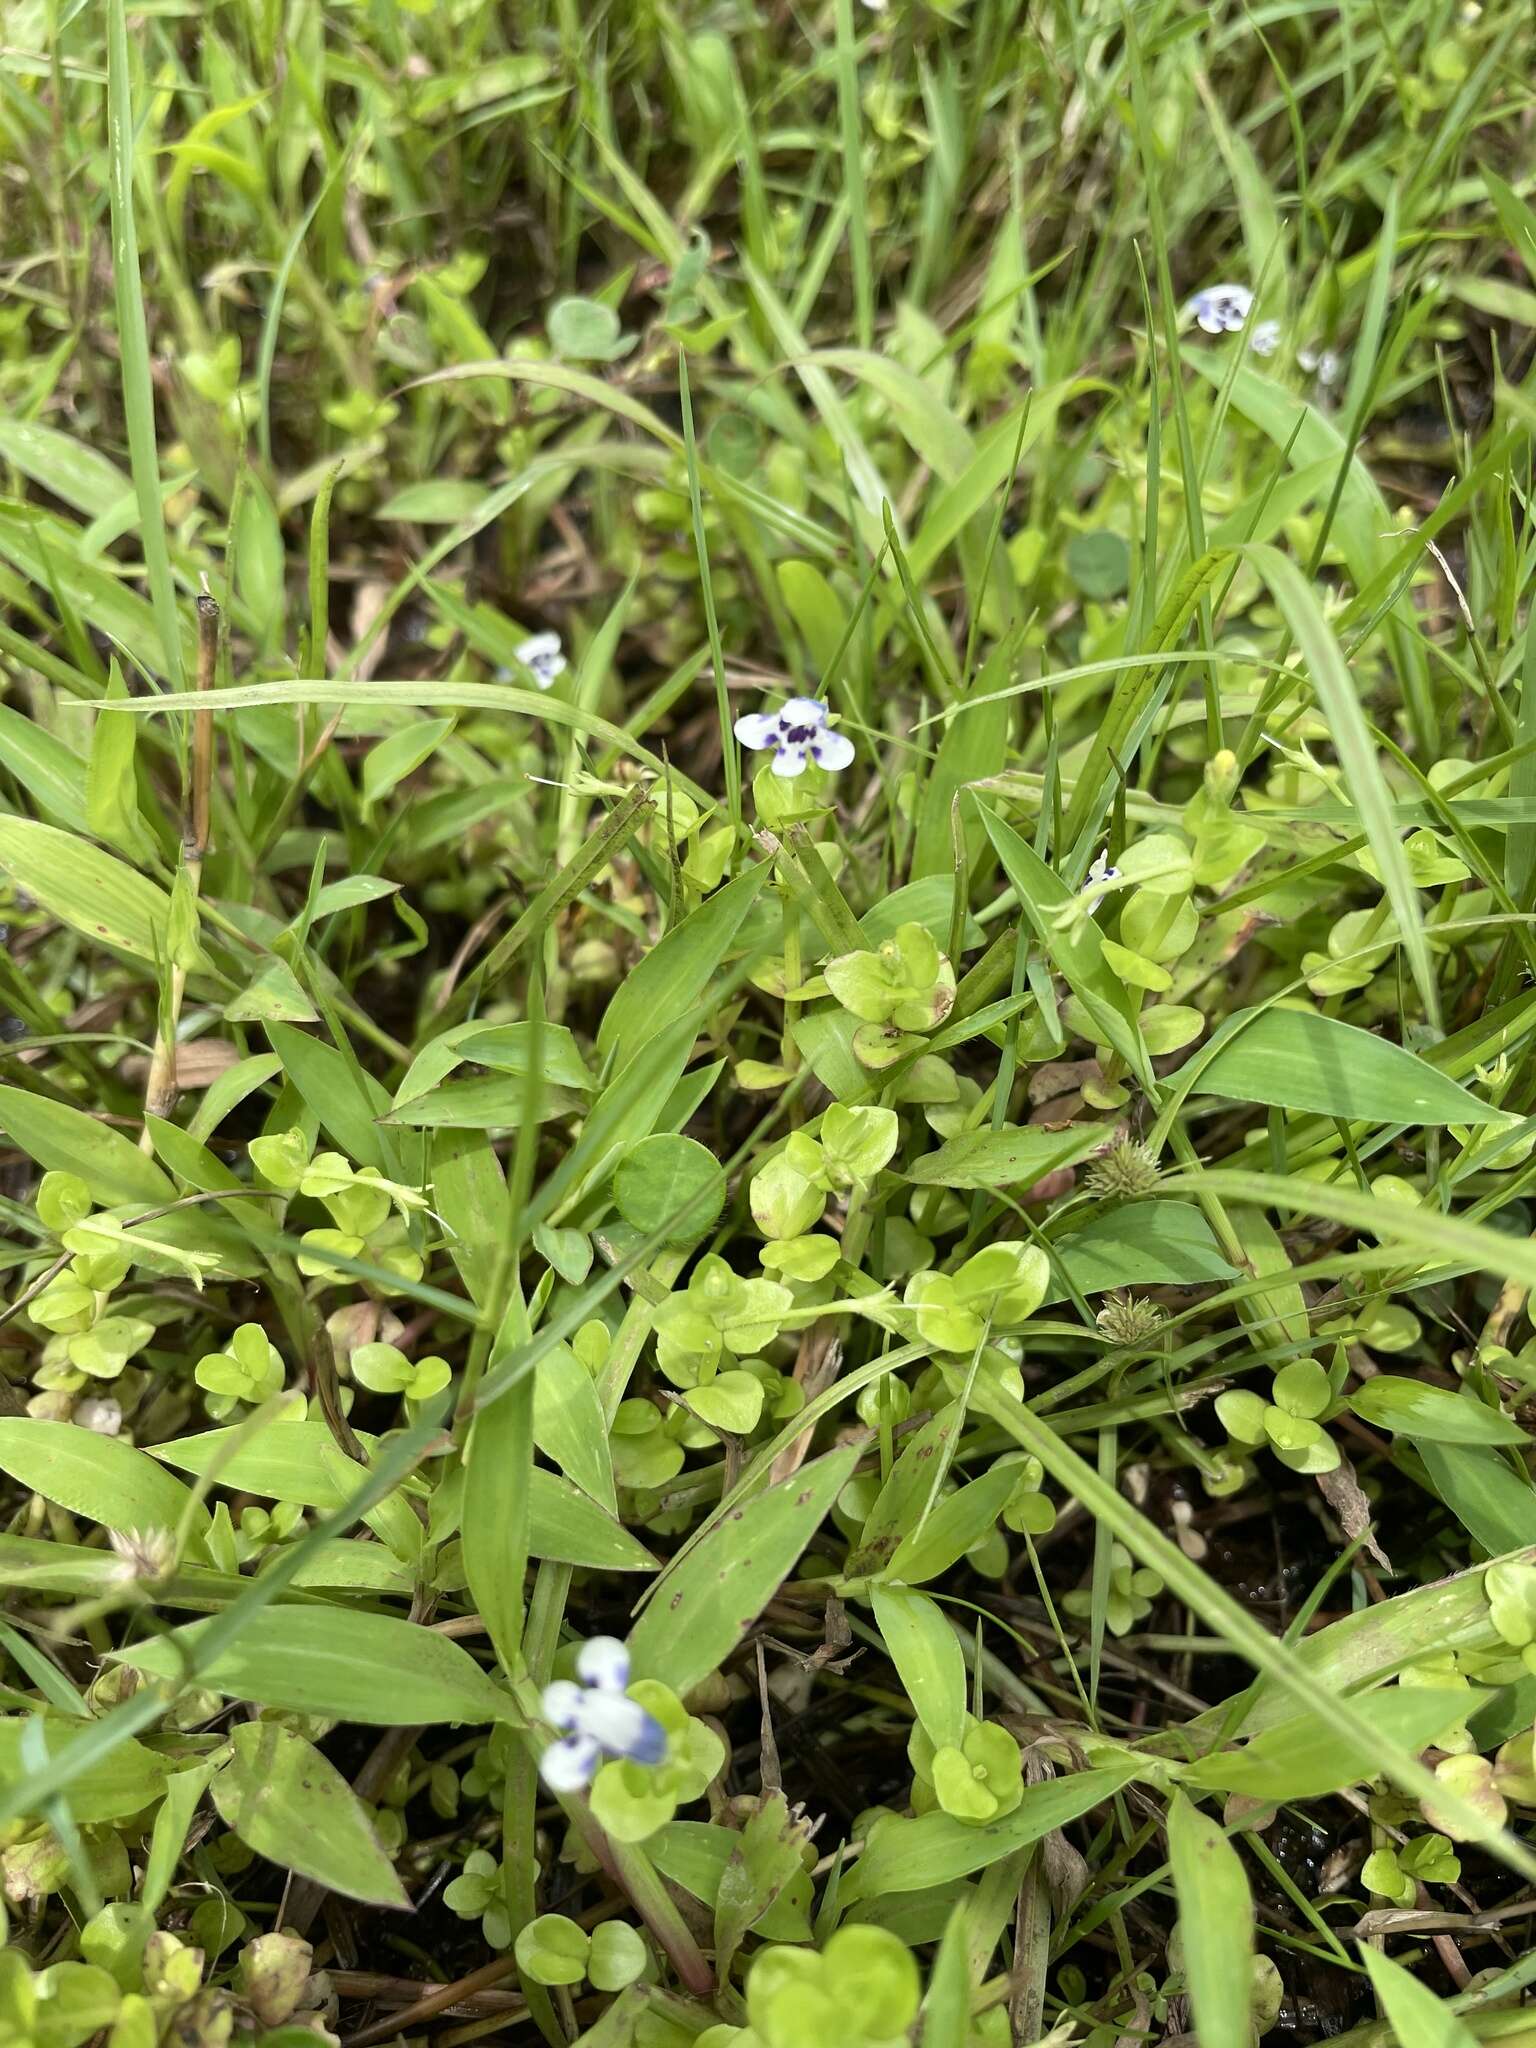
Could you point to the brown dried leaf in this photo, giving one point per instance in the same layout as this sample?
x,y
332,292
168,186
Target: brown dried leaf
x,y
1345,1495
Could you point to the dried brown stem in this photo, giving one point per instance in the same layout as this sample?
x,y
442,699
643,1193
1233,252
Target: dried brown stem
x,y
438,2001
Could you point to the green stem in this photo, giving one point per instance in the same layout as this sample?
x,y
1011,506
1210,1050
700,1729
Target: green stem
x,y
794,974
629,1867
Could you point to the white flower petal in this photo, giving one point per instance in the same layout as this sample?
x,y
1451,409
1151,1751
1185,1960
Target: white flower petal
x,y
833,750
789,761
561,1704
758,729
1265,338
603,1662
621,1725
571,1763
804,711
105,1417
540,647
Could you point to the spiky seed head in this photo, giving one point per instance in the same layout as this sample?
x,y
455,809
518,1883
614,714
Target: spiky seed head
x,y
1130,1319
144,1554
1125,1167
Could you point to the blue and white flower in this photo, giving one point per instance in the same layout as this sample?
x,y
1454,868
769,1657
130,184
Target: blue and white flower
x,y
1100,874
1326,363
1224,309
797,732
543,653
597,1718
1221,308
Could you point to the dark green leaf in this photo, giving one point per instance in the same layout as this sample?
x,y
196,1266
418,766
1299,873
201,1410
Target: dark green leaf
x,y
672,1186
1141,1244
1014,1155
1300,1059
910,1855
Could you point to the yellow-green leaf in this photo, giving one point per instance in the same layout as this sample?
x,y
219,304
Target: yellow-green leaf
x,y
290,1804
91,891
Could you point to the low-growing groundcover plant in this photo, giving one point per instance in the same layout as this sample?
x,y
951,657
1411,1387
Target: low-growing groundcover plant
x,y
769,862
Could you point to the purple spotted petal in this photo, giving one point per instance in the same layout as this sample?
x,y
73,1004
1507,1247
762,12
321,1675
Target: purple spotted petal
x,y
758,729
789,760
603,1662
561,1704
832,750
571,1763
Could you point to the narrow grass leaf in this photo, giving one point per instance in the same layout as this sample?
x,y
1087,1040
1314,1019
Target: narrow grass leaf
x,y
65,1140
1339,703
94,893
105,1479
1077,948
1417,2017
106,1789
935,1849
674,975
138,390
928,1659
1215,1925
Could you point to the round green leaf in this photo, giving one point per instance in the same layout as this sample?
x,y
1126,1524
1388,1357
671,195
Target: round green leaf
x,y
1099,564
585,330
672,1185
629,1803
552,1950
1303,1389
618,1956
74,2001
731,1401
1241,1414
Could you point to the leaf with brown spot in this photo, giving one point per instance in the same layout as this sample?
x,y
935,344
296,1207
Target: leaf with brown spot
x,y
290,1804
722,1586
